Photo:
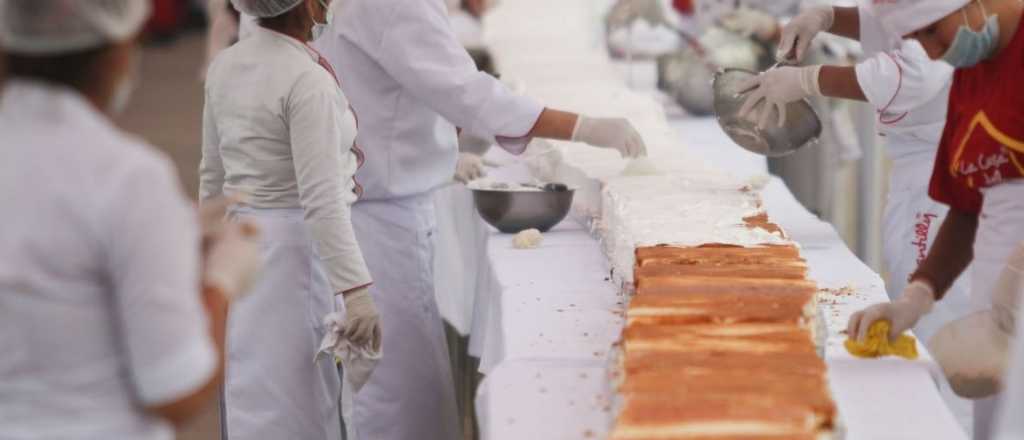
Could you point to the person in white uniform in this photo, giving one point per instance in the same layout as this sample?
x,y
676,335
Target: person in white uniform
x,y
103,328
277,128
909,92
412,84
978,170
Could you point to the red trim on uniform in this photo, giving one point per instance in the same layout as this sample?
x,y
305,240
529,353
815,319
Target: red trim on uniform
x,y
358,152
899,87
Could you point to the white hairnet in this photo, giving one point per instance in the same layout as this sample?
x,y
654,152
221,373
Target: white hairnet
x,y
904,17
49,27
265,8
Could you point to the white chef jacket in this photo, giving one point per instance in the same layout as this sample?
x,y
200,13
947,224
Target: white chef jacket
x,y
99,306
909,91
277,128
409,80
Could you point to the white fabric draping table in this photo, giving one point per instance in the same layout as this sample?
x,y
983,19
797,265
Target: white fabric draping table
x,y
548,316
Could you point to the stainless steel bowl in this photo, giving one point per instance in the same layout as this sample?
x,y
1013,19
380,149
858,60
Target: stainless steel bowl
x,y
516,211
802,126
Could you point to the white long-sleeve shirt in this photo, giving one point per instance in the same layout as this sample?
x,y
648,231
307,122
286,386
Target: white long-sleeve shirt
x,y
277,129
409,80
100,310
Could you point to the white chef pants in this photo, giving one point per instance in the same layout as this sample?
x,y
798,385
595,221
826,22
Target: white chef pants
x,y
410,395
273,390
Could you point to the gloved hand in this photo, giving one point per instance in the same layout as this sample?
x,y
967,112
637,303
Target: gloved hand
x,y
751,23
917,300
801,30
212,214
777,88
614,133
232,261
359,361
362,323
469,168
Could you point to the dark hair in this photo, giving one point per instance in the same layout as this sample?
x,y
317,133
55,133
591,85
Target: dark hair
x,y
74,69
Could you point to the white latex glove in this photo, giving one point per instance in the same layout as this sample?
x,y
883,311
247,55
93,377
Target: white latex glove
x,y
212,215
233,261
801,30
917,300
362,322
613,133
359,361
750,23
777,88
469,168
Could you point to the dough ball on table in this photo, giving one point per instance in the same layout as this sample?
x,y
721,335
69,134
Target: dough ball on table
x,y
528,239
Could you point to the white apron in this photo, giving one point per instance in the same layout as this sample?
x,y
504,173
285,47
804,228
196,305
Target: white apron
x,y
273,390
912,220
1000,229
411,395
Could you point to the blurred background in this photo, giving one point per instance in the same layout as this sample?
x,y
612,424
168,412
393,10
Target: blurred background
x,y
167,109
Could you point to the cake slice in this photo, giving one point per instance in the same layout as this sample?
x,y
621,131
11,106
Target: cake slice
x,y
646,417
740,338
706,285
794,307
714,253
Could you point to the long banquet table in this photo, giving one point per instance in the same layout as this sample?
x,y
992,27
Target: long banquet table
x,y
544,320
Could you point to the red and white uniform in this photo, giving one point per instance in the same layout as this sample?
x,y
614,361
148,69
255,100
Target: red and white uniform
x,y
909,92
980,161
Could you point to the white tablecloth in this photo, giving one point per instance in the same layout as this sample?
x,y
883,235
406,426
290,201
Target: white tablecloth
x,y
545,321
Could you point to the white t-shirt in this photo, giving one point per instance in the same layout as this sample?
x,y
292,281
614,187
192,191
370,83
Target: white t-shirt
x,y
99,307
909,91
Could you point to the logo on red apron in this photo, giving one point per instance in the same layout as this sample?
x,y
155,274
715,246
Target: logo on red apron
x,y
985,167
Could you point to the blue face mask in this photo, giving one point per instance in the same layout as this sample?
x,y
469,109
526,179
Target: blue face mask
x,y
972,47
319,28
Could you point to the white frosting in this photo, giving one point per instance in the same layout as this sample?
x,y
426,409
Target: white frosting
x,y
670,198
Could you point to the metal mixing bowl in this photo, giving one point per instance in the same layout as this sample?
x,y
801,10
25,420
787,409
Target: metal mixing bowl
x,y
802,125
516,211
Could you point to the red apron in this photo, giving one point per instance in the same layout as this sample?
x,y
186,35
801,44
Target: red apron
x,y
983,142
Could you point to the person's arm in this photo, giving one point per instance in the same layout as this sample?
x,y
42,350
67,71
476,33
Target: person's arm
x,y
951,253
846,22
322,134
211,168
554,124
840,82
418,48
172,346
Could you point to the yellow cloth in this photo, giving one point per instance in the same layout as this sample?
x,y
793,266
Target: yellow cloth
x,y
878,344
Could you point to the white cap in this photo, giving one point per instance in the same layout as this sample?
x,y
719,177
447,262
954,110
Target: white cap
x,y
52,27
904,17
265,8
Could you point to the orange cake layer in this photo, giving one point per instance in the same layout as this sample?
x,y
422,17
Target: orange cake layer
x,y
762,221
805,364
713,253
810,391
702,284
652,417
738,338
722,308
774,268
